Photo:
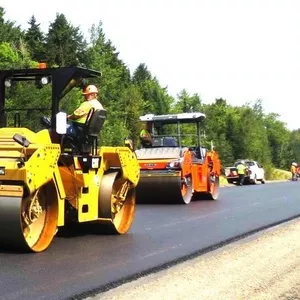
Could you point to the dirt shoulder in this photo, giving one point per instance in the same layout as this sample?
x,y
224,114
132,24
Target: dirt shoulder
x,y
263,266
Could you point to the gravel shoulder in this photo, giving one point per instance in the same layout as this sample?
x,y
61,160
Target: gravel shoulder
x,y
263,266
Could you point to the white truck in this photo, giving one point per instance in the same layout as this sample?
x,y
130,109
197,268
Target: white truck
x,y
254,174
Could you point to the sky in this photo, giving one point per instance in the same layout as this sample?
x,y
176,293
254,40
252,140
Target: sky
x,y
240,50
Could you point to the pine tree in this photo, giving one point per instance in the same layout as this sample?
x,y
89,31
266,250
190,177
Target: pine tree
x,y
35,41
65,45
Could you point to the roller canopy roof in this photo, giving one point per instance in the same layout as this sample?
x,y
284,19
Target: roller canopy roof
x,y
63,80
174,118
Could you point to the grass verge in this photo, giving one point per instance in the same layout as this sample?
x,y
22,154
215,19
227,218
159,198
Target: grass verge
x,y
278,174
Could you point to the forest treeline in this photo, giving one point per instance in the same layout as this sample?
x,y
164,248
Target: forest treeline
x,y
236,131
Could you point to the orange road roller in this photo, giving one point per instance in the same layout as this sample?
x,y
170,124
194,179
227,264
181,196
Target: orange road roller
x,y
49,179
175,167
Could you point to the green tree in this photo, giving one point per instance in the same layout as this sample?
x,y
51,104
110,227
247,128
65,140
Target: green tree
x,y
131,109
186,103
65,45
9,32
217,117
121,99
253,134
155,97
141,74
35,41
278,137
13,58
9,56
102,55
293,148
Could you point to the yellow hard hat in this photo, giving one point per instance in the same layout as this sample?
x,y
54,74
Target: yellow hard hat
x,y
90,89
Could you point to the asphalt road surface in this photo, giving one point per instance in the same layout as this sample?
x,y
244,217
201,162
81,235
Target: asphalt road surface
x,y
84,261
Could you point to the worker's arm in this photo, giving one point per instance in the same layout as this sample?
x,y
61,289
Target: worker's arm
x,y
74,117
81,111
145,135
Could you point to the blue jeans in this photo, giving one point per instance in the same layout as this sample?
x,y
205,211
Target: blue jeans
x,y
71,129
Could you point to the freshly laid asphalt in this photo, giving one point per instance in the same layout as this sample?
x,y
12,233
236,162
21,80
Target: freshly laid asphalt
x,y
81,261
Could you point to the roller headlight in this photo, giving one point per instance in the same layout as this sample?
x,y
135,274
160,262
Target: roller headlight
x,y
173,165
7,83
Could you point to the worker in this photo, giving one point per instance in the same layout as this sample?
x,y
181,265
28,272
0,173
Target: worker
x,y
145,135
294,171
241,170
129,143
297,172
79,116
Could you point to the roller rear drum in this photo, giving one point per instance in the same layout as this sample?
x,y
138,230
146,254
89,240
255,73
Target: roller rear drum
x,y
29,223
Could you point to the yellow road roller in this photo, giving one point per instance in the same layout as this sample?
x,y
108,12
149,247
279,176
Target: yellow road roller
x,y
49,179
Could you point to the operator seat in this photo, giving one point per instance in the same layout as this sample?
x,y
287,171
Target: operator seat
x,y
199,154
86,139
